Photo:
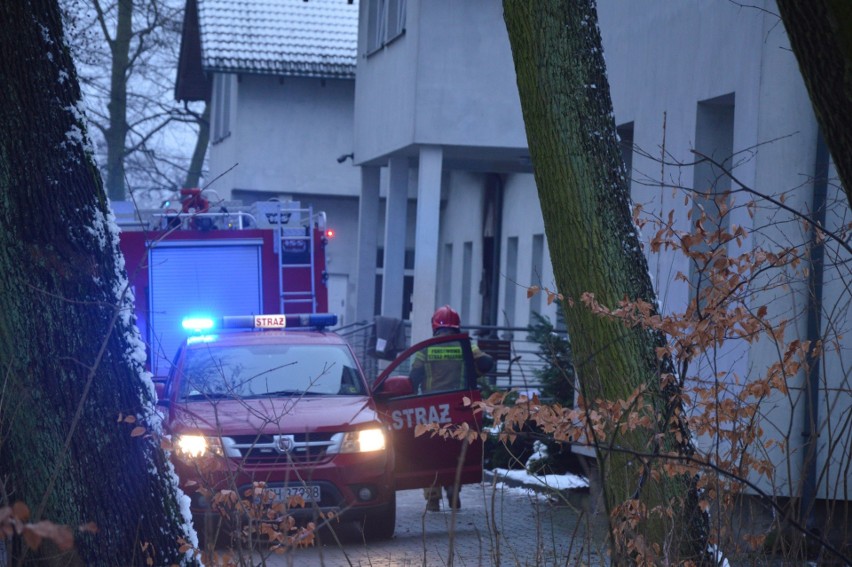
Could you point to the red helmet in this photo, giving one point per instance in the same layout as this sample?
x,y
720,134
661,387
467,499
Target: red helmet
x,y
445,316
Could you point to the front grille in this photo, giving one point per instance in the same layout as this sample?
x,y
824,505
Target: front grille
x,y
295,448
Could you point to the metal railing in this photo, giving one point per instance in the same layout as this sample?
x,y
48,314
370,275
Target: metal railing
x,y
518,373
358,336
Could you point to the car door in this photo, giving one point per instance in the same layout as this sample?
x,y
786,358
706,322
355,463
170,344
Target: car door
x,y
428,383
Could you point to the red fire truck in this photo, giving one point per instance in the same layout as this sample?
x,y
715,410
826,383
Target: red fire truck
x,y
198,259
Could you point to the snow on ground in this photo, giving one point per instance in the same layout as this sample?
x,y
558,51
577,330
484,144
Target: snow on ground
x,y
548,481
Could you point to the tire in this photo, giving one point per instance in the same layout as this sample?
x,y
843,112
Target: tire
x,y
381,525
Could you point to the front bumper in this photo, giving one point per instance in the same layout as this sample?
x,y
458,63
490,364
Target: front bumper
x,y
351,486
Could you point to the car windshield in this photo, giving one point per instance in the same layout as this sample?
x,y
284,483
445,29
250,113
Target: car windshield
x,y
215,372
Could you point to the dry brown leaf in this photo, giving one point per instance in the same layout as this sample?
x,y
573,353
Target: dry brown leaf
x,y
21,511
60,535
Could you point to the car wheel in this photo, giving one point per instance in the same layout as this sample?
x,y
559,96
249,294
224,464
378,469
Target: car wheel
x,y
381,525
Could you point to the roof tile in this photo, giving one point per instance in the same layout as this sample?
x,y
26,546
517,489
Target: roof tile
x,y
285,37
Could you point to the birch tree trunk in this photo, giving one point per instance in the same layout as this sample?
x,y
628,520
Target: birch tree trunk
x,y
116,133
595,248
72,358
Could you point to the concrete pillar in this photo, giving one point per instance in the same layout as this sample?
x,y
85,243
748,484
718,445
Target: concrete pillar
x,y
426,241
368,234
396,215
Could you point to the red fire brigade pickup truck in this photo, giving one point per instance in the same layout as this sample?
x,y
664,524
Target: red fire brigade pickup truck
x,y
280,400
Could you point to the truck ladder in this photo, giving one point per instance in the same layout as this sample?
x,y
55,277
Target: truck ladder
x,y
289,241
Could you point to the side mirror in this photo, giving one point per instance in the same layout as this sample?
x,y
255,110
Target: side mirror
x,y
395,386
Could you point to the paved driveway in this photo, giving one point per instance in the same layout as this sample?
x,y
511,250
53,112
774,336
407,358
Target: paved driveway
x,y
497,526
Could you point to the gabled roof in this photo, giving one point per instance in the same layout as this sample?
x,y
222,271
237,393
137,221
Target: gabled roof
x,y
307,38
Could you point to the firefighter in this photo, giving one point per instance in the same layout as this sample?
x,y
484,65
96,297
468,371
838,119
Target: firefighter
x,y
440,368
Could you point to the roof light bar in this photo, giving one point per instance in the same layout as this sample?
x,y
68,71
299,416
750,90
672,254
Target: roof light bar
x,y
280,321
198,324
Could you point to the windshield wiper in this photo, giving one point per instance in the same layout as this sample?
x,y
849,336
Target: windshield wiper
x,y
285,393
210,396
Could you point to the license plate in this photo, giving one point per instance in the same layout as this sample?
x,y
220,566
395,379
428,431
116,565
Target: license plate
x,y
308,492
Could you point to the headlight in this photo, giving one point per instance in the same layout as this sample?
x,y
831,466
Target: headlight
x,y
194,446
363,441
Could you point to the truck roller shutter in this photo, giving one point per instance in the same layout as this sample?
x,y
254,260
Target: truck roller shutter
x,y
187,279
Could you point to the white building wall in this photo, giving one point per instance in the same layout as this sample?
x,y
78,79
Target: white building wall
x,y
466,92
663,58
461,222
286,136
448,80
522,220
223,150
708,50
782,167
385,90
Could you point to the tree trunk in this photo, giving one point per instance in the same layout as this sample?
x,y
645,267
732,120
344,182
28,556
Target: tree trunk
x,y
595,247
193,175
116,134
820,33
72,358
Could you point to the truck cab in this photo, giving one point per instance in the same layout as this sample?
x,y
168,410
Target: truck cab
x,y
276,409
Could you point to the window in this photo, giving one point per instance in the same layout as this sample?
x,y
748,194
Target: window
x,y
467,282
536,271
386,23
511,289
447,274
625,133
221,107
714,138
407,281
408,262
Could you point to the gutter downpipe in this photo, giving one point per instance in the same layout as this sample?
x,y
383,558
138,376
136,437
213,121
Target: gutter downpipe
x,y
810,431
497,181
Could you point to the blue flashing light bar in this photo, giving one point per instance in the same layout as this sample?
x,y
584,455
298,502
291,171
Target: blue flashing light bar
x,y
238,322
320,320
198,324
